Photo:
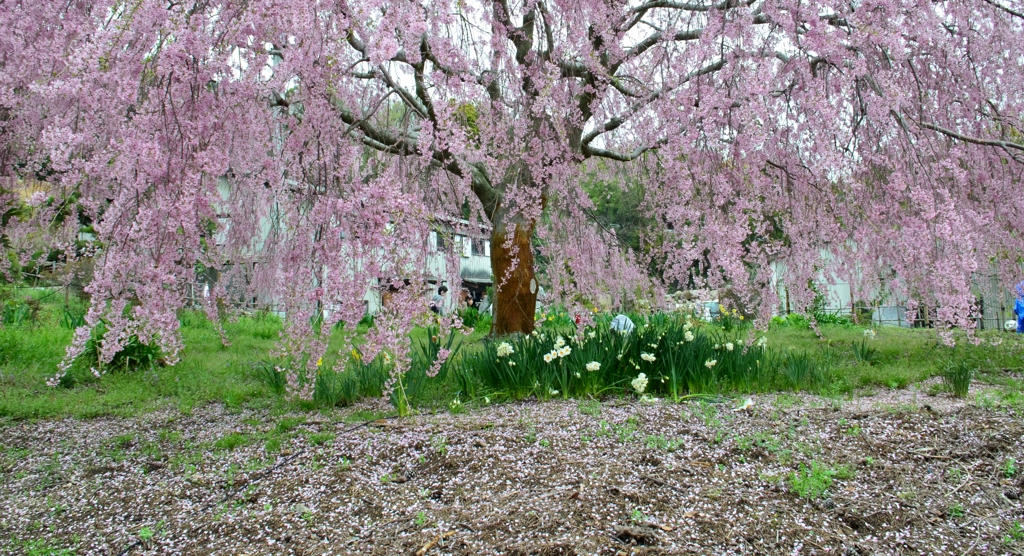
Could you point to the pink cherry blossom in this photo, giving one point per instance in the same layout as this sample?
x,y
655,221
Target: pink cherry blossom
x,y
304,149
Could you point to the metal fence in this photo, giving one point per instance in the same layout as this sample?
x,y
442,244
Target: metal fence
x,y
989,318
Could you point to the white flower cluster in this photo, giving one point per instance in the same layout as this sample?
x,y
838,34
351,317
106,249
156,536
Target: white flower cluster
x,y
647,357
593,366
762,342
870,333
639,383
710,363
561,350
729,346
688,336
505,349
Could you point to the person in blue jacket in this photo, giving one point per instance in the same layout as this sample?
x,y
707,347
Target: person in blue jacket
x,y
1018,308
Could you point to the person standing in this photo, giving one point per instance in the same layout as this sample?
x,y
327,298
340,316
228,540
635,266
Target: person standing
x,y
437,302
622,324
1018,308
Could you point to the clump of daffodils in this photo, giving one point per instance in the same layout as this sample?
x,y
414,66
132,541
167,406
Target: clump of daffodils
x,y
639,383
688,336
870,333
505,349
561,350
729,346
710,363
762,342
593,366
647,357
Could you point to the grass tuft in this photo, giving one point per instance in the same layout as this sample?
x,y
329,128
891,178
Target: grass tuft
x,y
957,377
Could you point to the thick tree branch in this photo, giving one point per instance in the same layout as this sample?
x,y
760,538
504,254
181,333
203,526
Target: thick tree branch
x,y
378,138
617,121
589,151
1005,145
684,6
653,39
1006,9
407,97
421,92
548,33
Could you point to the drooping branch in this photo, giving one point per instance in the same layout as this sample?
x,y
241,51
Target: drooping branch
x,y
1006,9
617,121
1005,145
655,38
589,151
378,138
637,14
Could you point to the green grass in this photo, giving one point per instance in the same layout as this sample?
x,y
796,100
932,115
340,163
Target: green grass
x,y
232,375
44,548
207,372
319,439
957,377
233,440
900,356
814,481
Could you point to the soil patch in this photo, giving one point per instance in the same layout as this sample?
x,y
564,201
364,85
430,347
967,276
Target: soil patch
x,y
902,474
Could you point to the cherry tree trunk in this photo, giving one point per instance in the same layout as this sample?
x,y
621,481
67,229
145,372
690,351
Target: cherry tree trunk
x,y
515,285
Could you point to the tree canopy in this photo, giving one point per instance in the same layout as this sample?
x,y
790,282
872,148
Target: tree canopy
x,y
305,147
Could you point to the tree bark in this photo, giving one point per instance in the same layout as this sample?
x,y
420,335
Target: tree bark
x,y
515,284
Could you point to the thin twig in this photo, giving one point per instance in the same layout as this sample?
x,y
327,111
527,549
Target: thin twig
x,y
431,544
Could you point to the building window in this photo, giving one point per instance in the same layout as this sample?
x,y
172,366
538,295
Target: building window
x,y
480,247
465,245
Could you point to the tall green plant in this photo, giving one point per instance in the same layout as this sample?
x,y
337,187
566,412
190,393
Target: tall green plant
x,y
677,356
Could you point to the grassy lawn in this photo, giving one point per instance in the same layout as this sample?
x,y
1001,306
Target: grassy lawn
x,y
212,372
897,357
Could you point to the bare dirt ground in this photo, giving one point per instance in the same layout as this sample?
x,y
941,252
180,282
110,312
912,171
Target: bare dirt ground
x,y
901,473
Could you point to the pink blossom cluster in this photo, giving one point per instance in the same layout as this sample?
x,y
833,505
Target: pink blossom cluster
x,y
304,149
